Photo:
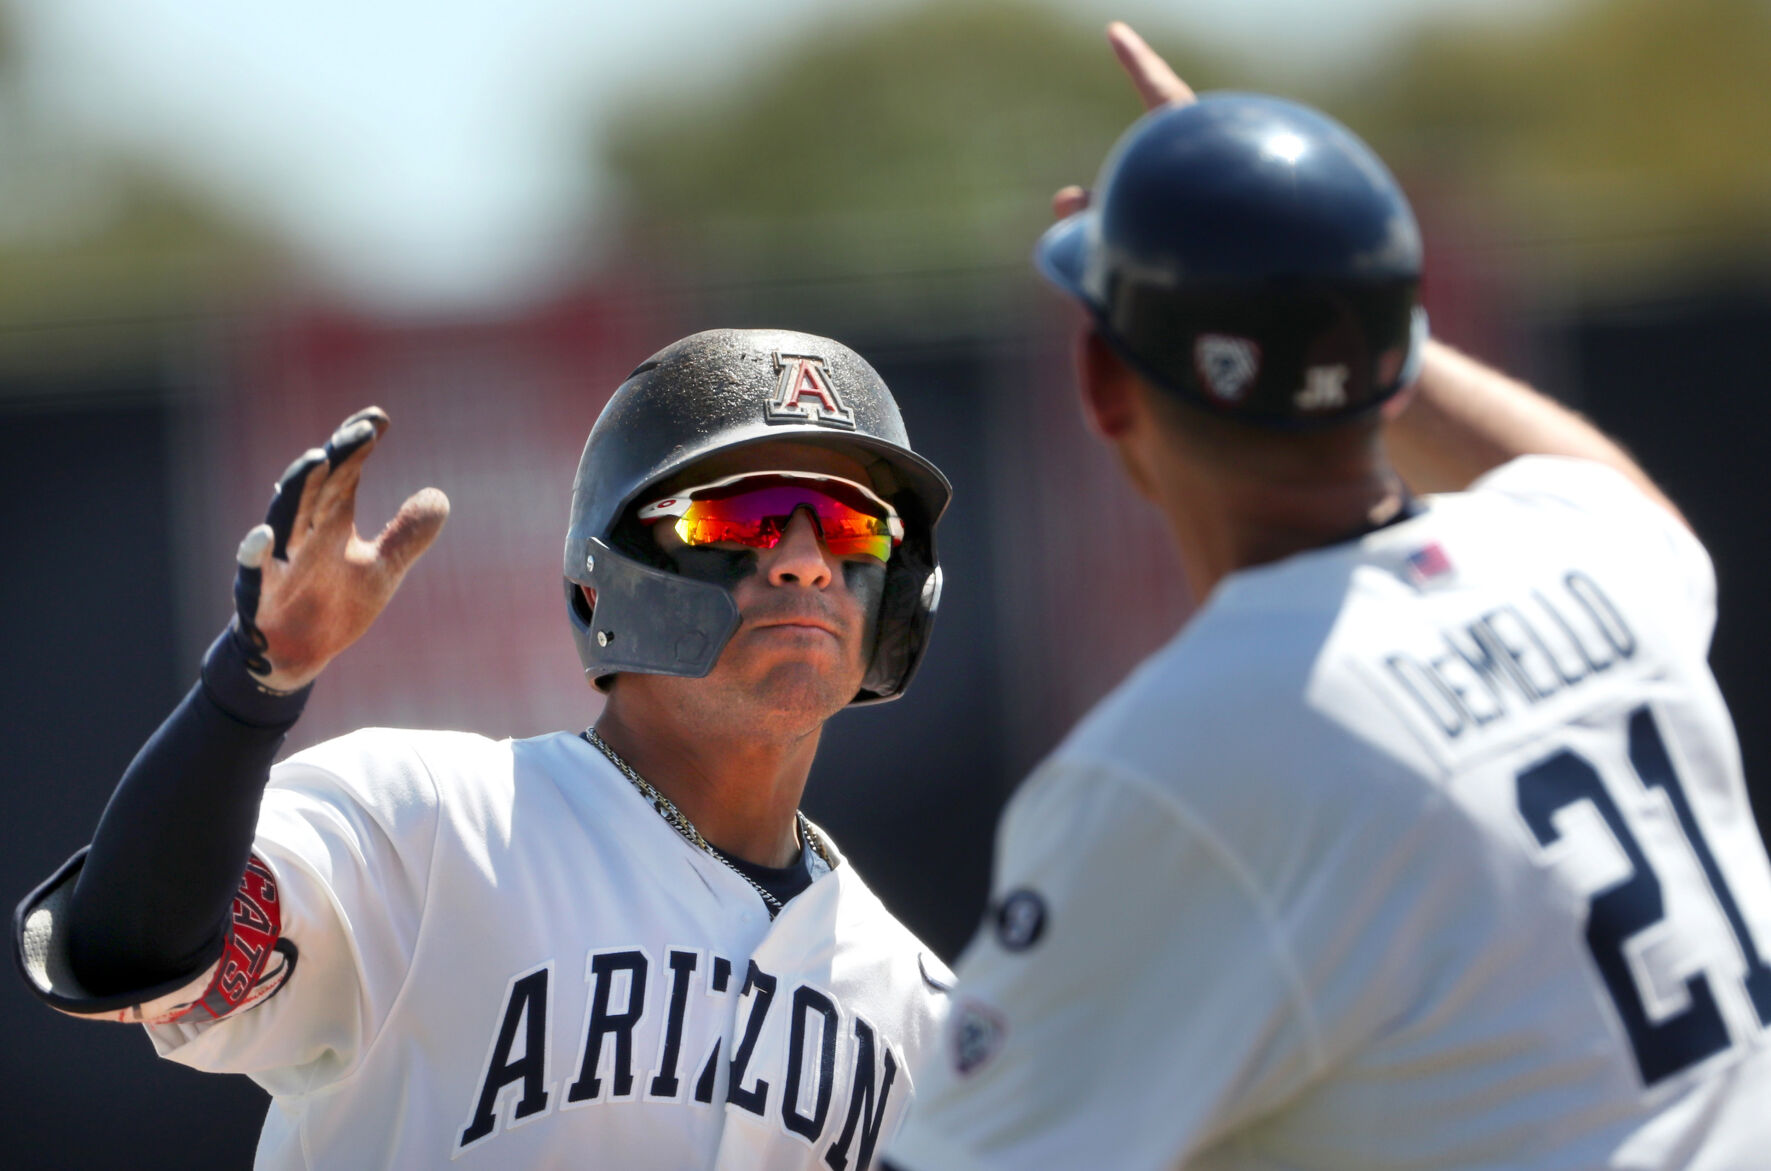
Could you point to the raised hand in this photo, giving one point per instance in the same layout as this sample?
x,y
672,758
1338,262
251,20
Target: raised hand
x,y
1156,83
308,585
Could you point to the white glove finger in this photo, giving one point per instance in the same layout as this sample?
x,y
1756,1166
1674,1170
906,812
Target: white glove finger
x,y
255,546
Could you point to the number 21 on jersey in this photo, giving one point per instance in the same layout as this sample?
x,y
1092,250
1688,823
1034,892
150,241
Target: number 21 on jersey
x,y
1620,914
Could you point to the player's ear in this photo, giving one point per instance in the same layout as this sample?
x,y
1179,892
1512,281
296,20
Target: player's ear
x,y
589,597
1398,402
1108,394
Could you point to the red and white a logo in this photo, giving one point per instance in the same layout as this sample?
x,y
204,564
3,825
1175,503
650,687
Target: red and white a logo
x,y
804,393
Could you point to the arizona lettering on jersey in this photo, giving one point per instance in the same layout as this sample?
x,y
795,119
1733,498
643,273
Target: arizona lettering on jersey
x,y
508,959
657,1032
1426,850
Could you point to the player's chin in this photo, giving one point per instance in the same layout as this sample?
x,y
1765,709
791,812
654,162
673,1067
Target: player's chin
x,y
803,692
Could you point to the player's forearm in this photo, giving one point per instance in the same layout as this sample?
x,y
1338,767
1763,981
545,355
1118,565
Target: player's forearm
x,y
1467,419
151,901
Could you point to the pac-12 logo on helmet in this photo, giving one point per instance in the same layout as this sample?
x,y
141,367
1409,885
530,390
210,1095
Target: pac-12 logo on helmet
x,y
1227,366
804,393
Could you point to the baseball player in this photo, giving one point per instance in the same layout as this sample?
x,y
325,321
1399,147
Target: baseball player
x,y
621,948
1425,843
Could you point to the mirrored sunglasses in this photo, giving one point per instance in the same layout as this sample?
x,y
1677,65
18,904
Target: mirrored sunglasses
x,y
754,509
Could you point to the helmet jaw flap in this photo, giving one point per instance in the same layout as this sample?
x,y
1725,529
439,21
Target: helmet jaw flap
x,y
645,619
656,622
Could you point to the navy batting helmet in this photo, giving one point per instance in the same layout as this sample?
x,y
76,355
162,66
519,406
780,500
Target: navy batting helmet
x,y
1252,256
713,392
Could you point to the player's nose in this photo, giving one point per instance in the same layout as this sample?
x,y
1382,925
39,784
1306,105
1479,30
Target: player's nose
x,y
800,557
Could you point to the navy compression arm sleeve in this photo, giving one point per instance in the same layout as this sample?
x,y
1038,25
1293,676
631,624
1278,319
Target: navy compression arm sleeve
x,y
152,900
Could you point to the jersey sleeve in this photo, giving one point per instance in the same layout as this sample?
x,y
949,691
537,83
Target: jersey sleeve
x,y
1658,545
347,831
1127,1000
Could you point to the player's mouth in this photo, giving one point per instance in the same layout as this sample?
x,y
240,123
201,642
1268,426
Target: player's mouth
x,y
806,627
803,617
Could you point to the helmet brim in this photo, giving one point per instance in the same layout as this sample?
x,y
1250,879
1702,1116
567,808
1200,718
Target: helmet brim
x,y
892,470
1061,255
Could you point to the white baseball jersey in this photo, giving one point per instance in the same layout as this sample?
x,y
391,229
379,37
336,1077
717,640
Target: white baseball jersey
x,y
504,957
1427,850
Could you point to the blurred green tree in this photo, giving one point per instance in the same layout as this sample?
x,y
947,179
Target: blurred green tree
x,y
98,253
1613,134
927,142
1620,135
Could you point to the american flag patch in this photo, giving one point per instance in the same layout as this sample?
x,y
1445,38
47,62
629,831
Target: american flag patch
x,y
1428,563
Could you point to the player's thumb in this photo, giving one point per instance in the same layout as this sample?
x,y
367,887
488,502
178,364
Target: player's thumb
x,y
1068,201
412,530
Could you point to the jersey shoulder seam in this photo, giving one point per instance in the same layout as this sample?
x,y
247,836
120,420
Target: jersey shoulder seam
x,y
1244,878
362,1060
430,880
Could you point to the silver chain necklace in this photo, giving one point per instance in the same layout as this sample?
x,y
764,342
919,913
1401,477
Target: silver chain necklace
x,y
674,818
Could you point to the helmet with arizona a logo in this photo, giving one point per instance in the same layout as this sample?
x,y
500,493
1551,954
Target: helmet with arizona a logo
x,y
713,392
1251,256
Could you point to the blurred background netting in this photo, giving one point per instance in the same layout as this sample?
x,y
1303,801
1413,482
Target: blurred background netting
x,y
225,226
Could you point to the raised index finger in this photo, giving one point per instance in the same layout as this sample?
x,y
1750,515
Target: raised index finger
x,y
1156,83
349,446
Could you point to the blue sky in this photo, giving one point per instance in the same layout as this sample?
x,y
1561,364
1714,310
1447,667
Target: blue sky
x,y
431,151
